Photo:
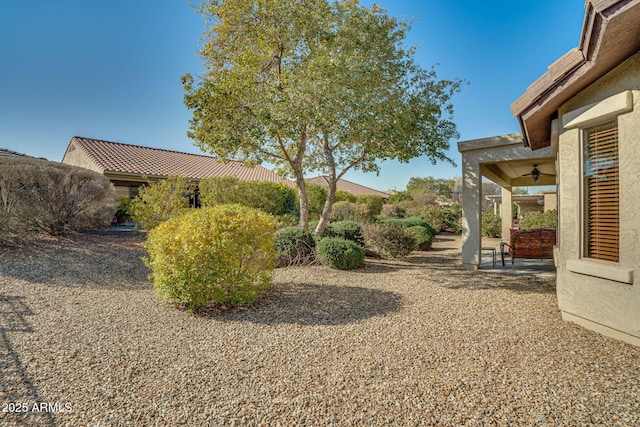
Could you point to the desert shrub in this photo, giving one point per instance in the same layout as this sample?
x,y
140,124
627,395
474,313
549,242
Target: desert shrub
x,y
348,230
317,195
491,225
271,197
393,211
410,222
399,197
344,196
534,219
422,236
41,196
388,240
373,203
161,200
349,211
286,220
453,218
340,253
440,218
294,246
223,254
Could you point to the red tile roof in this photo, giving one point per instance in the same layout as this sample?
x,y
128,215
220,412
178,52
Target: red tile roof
x,y
137,160
344,185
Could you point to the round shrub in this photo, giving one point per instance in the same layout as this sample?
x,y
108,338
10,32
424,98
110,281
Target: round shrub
x,y
348,230
533,220
410,222
223,254
294,246
41,196
388,240
340,253
422,236
491,225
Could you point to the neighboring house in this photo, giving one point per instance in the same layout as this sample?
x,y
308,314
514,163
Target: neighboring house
x,y
344,185
587,105
542,202
129,166
4,152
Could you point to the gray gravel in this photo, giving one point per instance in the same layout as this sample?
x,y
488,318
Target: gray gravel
x,y
414,342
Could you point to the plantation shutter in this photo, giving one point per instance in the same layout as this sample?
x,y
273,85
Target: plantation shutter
x,y
601,174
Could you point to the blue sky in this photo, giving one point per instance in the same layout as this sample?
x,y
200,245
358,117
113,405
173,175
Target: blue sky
x,y
111,69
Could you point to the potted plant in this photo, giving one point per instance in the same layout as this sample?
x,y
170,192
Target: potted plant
x,y
122,211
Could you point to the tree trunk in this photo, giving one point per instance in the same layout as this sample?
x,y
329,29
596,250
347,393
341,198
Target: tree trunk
x,y
304,202
331,193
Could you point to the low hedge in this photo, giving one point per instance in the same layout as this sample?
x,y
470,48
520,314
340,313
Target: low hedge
x,y
348,230
340,253
294,246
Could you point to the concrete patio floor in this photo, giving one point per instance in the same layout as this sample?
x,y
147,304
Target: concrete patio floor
x,y
538,267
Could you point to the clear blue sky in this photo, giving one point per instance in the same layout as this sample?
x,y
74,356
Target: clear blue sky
x,y
111,69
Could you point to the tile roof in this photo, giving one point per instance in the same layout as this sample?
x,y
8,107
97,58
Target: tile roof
x,y
137,160
610,35
344,185
4,152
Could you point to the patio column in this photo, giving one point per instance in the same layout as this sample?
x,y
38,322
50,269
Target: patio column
x,y
471,214
506,213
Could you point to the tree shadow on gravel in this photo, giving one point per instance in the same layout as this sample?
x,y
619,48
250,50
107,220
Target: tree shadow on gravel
x,y
314,304
89,260
526,284
15,385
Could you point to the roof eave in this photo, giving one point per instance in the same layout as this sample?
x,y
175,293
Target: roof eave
x,y
604,21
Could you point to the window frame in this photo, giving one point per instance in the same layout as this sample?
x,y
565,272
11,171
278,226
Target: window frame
x,y
585,243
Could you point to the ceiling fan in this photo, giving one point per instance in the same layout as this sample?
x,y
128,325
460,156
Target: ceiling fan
x,y
535,173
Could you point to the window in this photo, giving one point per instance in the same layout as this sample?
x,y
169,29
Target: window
x,y
601,191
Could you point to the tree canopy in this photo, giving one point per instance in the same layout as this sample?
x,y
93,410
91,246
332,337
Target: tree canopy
x,y
315,86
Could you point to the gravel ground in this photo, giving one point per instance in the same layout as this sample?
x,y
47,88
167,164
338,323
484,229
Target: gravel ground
x,y
85,341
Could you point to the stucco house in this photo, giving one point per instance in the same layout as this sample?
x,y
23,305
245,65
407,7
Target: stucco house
x,y
580,124
588,105
129,166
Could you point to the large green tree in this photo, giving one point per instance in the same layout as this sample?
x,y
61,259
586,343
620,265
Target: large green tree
x,y
314,86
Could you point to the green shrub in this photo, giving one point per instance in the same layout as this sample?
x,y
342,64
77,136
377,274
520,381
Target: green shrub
x,y
373,203
393,211
41,196
294,246
274,198
410,222
422,236
349,211
348,230
365,209
340,253
123,210
223,254
440,218
161,200
491,225
344,196
534,220
317,195
399,197
388,240
287,220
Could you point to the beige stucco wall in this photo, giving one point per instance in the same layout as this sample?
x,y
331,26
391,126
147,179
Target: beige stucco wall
x,y
586,293
76,157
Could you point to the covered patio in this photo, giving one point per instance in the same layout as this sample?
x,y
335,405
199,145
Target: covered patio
x,y
505,161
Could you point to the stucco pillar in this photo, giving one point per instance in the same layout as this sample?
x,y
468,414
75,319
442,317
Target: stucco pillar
x,y
471,214
506,213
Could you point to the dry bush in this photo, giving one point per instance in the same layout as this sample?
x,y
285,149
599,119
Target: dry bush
x,y
41,196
